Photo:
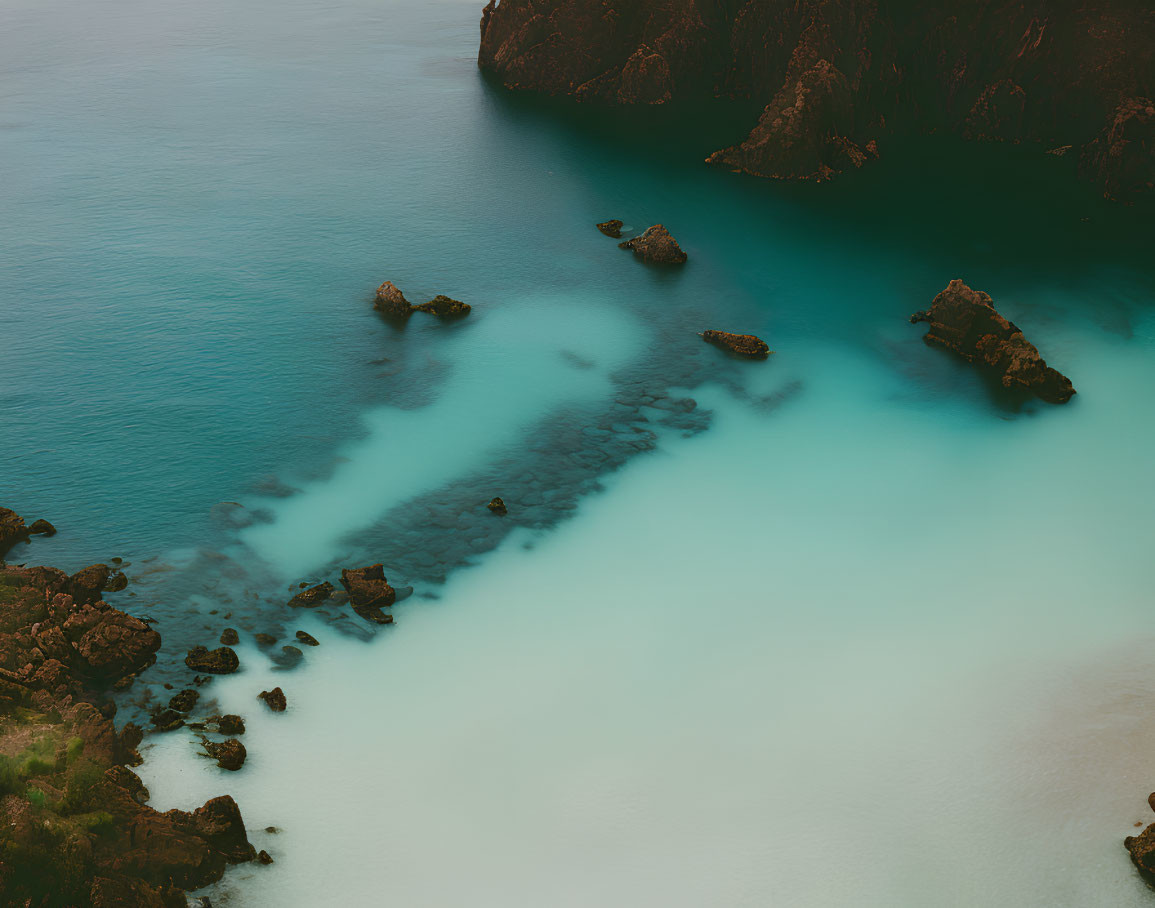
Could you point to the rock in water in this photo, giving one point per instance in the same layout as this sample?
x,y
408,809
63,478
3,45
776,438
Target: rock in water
x,y
12,530
656,245
392,302
611,228
369,592
42,528
498,506
184,701
313,596
230,637
308,639
445,307
741,344
220,661
229,754
274,699
230,724
965,321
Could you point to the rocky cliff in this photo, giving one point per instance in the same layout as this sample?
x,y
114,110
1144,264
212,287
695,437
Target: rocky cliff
x,y
836,77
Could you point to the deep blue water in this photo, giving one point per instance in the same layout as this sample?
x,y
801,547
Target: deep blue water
x,y
198,202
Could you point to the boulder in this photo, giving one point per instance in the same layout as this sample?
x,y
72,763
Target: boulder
x,y
656,245
498,506
274,699
41,527
965,321
307,639
313,596
611,228
746,345
220,661
445,307
230,724
229,754
230,637
184,701
392,302
369,592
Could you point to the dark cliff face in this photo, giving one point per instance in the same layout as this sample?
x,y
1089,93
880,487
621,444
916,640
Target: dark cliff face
x,y
837,76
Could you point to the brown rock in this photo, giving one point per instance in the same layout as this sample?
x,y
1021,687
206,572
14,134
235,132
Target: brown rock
x,y
307,639
263,857
41,528
274,699
230,637
746,345
12,530
369,592
965,321
313,596
230,724
229,754
444,307
656,245
184,701
220,661
498,506
611,228
392,302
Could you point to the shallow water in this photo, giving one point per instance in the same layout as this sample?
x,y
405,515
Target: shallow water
x,y
846,627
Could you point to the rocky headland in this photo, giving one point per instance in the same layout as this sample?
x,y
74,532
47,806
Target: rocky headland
x,y
837,80
75,828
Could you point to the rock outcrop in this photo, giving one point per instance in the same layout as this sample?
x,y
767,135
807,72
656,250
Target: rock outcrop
x,y
1142,848
445,307
313,596
369,592
12,530
611,228
74,826
746,345
965,321
832,76
391,301
656,245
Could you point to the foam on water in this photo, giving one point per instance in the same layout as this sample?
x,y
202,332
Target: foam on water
x,y
506,371
837,653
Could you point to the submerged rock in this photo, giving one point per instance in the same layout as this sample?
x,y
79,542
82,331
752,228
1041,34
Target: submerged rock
x,y
965,321
220,661
313,596
184,701
498,506
611,228
167,720
656,245
230,637
274,699
392,302
445,307
265,639
742,344
369,592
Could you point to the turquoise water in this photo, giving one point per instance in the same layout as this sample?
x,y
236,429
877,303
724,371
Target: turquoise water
x,y
846,627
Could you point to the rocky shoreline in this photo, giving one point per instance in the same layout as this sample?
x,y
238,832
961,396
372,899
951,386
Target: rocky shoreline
x,y
837,81
75,828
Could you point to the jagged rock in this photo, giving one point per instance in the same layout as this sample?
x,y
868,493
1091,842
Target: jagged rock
x,y
829,76
313,596
12,530
611,228
274,699
230,637
444,307
392,302
220,661
1142,848
41,527
167,720
230,724
263,857
656,245
965,321
741,344
497,506
369,592
184,701
229,754
307,639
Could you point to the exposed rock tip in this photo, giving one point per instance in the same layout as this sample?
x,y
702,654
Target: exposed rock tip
x,y
746,345
656,245
611,228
